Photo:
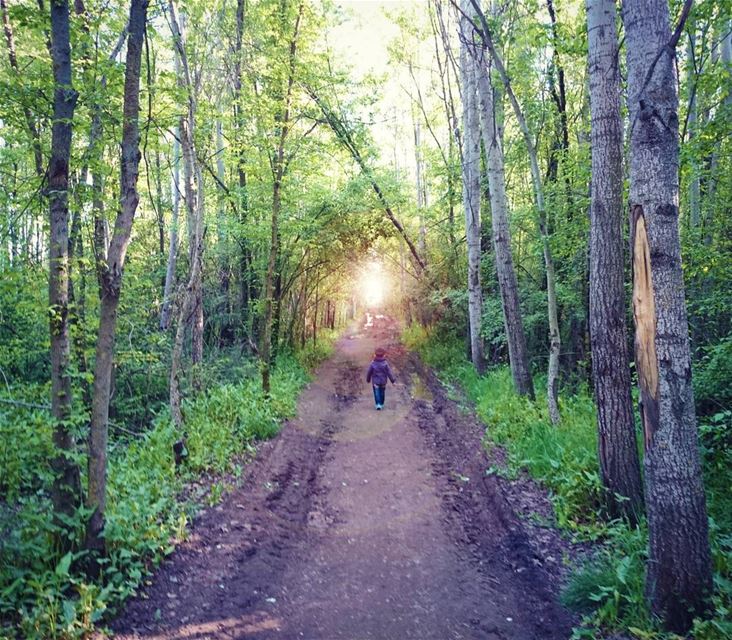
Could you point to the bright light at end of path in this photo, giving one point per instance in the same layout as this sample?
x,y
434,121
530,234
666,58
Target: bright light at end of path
x,y
372,285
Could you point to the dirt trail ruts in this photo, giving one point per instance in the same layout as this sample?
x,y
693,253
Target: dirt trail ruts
x,y
355,524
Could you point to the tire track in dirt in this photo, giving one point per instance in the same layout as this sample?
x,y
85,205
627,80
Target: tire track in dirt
x,y
358,525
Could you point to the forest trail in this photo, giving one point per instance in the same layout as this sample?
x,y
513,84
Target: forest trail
x,y
356,524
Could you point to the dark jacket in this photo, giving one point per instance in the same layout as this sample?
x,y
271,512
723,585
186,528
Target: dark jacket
x,y
379,371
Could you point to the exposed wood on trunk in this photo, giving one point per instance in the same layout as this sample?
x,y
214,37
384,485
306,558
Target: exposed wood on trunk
x,y
111,279
644,313
679,579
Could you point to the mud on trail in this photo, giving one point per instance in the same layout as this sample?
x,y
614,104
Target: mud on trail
x,y
355,524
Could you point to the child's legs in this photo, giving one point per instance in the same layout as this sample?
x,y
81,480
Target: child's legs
x,y
382,394
376,395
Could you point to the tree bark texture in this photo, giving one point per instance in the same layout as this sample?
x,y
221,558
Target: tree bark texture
x,y
679,580
507,282
67,484
617,446
471,183
111,278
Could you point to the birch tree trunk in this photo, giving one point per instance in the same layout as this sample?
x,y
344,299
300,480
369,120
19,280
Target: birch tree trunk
x,y
66,493
679,580
471,183
617,446
555,343
111,278
507,283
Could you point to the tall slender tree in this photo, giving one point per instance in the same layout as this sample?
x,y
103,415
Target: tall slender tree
x,y
111,277
67,483
471,180
279,167
555,341
191,306
617,447
679,580
508,285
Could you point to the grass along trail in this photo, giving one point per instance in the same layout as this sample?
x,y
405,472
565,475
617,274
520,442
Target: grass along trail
x,y
357,524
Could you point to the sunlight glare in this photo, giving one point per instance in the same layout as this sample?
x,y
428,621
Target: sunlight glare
x,y
372,285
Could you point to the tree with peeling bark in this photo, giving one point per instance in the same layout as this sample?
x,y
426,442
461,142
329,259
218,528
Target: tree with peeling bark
x,y
616,444
679,581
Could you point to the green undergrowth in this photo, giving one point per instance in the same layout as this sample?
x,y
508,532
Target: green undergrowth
x,y
44,593
608,589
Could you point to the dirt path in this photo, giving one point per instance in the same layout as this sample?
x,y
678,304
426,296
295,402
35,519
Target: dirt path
x,y
356,525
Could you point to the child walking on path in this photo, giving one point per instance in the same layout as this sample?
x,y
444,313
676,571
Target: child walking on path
x,y
379,371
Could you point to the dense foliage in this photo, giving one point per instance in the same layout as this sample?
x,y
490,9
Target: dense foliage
x,y
275,161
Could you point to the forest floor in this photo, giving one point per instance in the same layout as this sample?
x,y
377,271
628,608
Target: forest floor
x,y
356,524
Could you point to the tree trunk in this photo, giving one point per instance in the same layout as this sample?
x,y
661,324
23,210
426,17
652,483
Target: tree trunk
x,y
223,245
508,285
694,178
421,187
246,274
191,308
617,447
278,171
111,277
66,492
173,247
471,185
77,298
679,580
555,344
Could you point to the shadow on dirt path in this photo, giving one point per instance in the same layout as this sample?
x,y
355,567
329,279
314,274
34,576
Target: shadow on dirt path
x,y
355,524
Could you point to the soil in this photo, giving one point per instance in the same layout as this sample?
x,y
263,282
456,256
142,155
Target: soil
x,y
357,524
